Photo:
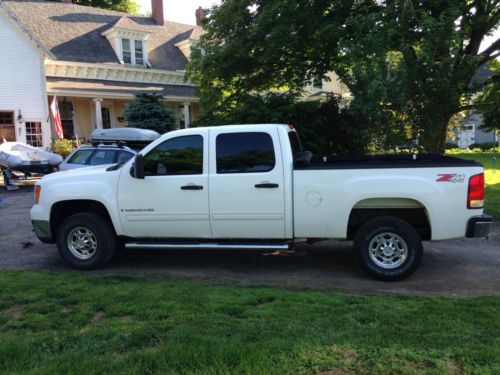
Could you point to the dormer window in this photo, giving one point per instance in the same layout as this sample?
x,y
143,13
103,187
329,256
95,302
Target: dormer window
x,y
132,51
129,41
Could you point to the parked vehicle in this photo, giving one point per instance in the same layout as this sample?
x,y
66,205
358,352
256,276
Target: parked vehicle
x,y
88,156
252,187
109,146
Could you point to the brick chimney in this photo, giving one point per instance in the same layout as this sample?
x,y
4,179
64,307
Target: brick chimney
x,y
157,10
200,15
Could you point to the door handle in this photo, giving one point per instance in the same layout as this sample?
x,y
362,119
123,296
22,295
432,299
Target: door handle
x,y
192,187
267,185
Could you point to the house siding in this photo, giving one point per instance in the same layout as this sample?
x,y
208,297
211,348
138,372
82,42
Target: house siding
x,y
22,79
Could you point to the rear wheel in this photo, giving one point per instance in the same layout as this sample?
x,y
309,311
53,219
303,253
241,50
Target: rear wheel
x,y
86,241
388,248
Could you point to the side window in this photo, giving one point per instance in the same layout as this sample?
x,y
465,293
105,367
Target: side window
x,y
124,156
245,152
100,157
176,156
80,157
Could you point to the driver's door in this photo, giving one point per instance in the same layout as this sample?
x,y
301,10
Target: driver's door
x,y
172,200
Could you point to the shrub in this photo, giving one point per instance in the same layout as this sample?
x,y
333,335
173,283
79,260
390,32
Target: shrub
x,y
451,146
487,146
483,146
148,112
62,147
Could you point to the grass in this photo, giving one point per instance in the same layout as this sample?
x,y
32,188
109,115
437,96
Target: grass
x,y
65,323
492,180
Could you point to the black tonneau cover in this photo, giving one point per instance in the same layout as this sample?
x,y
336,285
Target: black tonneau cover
x,y
382,161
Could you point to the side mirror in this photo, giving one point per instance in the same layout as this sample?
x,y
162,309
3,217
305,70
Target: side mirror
x,y
139,166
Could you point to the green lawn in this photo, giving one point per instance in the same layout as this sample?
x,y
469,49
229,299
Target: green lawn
x,y
64,323
492,180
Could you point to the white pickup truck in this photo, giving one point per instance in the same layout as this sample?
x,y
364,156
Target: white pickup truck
x,y
252,187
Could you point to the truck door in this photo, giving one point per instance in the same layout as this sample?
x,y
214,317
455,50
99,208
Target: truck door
x,y
172,200
246,181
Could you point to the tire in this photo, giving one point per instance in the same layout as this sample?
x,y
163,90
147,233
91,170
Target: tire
x,y
86,241
388,248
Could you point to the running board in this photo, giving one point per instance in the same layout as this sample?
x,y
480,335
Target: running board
x,y
207,246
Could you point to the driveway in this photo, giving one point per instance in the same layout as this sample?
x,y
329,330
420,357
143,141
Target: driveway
x,y
451,268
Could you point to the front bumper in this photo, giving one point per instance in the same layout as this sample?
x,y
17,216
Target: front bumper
x,y
479,226
42,231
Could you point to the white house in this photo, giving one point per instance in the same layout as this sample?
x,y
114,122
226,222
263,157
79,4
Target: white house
x,y
93,60
24,113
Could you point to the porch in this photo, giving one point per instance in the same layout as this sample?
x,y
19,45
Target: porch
x,y
86,105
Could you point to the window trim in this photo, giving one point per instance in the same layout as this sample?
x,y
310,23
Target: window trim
x,y
246,172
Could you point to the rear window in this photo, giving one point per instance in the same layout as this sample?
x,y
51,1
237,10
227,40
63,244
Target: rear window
x,y
294,143
250,152
80,156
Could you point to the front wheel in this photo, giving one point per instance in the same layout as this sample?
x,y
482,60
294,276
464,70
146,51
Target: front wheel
x,y
388,248
86,241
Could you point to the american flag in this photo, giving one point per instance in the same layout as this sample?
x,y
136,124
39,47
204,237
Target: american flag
x,y
54,107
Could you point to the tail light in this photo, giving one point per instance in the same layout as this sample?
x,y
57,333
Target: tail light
x,y
475,195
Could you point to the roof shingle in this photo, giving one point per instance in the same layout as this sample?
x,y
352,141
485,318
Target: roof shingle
x,y
73,32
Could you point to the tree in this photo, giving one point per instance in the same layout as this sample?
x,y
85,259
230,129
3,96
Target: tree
x,y
127,6
407,62
148,112
487,103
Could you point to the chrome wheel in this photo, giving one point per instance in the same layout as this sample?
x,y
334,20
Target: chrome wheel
x,y
388,250
82,243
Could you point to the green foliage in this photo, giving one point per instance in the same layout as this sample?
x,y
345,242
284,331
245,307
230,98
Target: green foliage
x,y
488,102
485,146
451,146
408,64
126,6
148,112
64,323
63,147
324,127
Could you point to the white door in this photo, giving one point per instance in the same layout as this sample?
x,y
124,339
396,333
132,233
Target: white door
x,y
172,200
246,184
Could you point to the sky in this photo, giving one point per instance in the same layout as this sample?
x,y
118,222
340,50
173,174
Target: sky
x,y
181,11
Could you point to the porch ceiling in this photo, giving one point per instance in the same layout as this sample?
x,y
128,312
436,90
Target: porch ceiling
x,y
90,88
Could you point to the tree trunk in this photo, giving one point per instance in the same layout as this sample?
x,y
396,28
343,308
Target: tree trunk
x,y
435,133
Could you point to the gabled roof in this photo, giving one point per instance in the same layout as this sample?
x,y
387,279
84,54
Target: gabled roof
x,y
74,32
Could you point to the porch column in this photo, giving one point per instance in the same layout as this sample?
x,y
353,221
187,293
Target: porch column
x,y
98,113
187,115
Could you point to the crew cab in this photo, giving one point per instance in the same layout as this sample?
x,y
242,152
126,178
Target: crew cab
x,y
252,187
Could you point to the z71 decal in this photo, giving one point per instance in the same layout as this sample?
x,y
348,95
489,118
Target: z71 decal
x,y
451,177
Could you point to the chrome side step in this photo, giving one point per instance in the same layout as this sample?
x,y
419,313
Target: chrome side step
x,y
208,246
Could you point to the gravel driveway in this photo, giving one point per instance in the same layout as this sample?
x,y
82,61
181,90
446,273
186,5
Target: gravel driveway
x,y
460,267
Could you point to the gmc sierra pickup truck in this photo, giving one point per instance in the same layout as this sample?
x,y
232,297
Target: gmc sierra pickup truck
x,y
252,187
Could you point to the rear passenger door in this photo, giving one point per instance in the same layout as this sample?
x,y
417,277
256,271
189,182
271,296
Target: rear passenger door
x,y
246,192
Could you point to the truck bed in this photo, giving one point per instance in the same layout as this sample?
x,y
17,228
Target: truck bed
x,y
383,162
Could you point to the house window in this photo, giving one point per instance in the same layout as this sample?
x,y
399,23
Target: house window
x,y
127,55
7,129
66,111
133,51
318,83
34,133
138,53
